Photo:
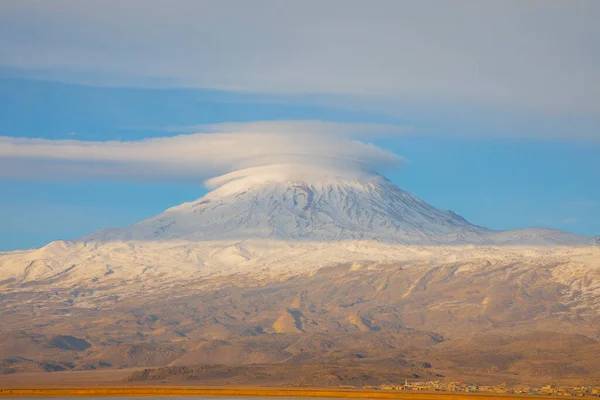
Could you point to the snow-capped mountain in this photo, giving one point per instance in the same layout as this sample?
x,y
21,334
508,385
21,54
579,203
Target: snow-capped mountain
x,y
331,209
300,255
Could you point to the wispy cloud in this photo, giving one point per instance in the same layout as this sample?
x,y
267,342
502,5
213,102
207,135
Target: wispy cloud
x,y
260,149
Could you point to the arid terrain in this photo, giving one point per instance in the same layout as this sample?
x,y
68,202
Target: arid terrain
x,y
341,198
487,314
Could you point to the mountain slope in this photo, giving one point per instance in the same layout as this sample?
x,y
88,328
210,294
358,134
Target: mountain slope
x,y
366,303
285,272
329,210
292,210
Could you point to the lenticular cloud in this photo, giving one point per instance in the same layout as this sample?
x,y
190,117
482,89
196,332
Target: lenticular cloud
x,y
284,151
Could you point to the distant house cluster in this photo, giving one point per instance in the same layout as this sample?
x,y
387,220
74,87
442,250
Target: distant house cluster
x,y
440,386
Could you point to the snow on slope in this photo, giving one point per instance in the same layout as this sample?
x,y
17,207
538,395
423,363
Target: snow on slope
x,y
323,208
155,263
327,210
281,225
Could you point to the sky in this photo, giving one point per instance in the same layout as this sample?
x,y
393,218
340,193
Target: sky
x,y
111,112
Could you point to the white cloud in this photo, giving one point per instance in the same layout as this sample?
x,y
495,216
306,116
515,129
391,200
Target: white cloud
x,y
299,127
261,150
536,55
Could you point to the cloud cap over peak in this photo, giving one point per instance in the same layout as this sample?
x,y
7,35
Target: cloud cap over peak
x,y
200,156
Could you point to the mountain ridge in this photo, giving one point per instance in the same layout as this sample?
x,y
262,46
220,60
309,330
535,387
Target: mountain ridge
x,y
286,273
370,208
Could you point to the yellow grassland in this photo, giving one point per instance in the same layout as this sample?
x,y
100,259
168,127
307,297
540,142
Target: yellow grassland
x,y
251,392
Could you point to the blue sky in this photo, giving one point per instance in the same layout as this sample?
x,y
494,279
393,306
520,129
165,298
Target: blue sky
x,y
496,182
501,128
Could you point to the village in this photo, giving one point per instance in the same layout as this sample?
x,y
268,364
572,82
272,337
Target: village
x,y
441,386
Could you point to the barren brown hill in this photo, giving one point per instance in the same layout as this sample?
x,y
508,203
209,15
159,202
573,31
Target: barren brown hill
x,y
517,315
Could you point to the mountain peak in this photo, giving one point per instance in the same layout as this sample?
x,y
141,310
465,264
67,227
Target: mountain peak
x,y
286,204
330,207
291,174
